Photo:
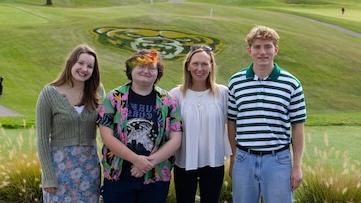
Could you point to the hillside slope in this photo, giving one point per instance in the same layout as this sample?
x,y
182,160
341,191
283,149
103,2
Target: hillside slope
x,y
35,41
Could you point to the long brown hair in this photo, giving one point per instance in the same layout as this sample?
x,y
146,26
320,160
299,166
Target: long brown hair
x,y
91,86
187,77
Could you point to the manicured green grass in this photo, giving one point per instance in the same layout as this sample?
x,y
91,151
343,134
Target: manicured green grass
x,y
325,10
351,14
36,40
331,14
84,3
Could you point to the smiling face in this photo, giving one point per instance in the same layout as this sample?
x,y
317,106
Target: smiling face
x,y
200,67
83,68
262,53
145,75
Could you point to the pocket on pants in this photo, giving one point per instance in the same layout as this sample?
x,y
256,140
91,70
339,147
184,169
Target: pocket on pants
x,y
283,158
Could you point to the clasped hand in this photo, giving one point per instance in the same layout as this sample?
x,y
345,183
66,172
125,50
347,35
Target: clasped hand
x,y
141,165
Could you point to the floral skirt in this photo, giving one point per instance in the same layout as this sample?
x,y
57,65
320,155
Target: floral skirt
x,y
78,172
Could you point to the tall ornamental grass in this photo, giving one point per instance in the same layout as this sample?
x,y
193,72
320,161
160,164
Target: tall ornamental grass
x,y
323,181
19,170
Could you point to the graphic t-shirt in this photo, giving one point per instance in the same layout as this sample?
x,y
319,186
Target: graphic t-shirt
x,y
142,129
142,126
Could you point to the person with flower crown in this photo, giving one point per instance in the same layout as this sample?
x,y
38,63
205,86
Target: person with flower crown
x,y
141,129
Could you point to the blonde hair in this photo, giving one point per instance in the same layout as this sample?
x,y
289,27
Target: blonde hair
x,y
263,33
187,77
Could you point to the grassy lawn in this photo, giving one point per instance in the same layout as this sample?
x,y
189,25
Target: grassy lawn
x,y
351,14
331,14
36,40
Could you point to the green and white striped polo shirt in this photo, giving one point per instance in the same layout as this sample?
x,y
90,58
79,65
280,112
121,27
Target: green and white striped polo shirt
x,y
265,109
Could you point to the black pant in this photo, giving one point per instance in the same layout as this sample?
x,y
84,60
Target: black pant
x,y
210,184
129,189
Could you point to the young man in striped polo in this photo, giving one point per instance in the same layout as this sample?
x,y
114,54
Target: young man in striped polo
x,y
266,115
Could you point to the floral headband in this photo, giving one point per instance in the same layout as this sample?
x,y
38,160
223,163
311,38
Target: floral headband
x,y
149,58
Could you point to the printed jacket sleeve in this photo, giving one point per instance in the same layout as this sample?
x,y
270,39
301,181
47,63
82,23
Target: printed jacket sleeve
x,y
107,111
175,118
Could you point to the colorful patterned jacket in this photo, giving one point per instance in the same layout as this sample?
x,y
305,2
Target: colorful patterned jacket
x,y
113,113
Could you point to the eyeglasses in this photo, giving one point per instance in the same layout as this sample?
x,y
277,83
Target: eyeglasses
x,y
150,68
205,48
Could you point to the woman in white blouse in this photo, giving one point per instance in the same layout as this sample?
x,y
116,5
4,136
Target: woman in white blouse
x,y
204,143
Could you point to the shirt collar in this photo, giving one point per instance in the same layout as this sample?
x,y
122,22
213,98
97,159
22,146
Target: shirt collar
x,y
276,71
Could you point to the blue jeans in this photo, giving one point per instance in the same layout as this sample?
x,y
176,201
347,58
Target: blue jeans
x,y
268,176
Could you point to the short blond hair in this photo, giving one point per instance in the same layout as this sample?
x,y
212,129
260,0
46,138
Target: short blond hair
x,y
263,33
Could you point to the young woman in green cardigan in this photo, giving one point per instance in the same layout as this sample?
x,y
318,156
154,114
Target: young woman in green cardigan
x,y
66,129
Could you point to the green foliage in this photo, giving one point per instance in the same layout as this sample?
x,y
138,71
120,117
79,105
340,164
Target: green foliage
x,y
334,119
16,122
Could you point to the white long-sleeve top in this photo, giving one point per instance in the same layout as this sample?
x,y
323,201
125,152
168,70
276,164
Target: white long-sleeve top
x,y
204,141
